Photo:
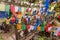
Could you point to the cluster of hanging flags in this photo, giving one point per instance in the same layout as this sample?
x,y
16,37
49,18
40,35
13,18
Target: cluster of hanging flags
x,y
25,21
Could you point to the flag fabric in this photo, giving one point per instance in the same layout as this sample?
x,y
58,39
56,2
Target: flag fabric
x,y
31,27
23,27
42,26
27,9
12,8
7,8
2,7
19,26
19,20
59,16
16,8
48,27
27,26
19,9
39,28
12,20
24,9
3,14
57,31
19,15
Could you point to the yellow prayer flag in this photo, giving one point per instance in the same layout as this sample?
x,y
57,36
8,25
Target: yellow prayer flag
x,y
2,7
38,28
19,26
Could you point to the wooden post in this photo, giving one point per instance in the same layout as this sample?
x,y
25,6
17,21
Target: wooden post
x,y
16,32
51,36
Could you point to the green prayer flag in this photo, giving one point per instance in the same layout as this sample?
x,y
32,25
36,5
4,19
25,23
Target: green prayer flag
x,y
43,25
7,8
23,26
44,22
24,9
42,28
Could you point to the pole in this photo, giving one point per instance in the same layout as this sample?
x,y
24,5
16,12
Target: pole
x,y
16,32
